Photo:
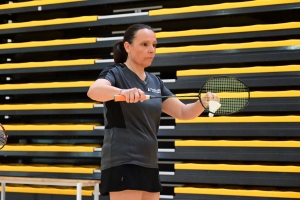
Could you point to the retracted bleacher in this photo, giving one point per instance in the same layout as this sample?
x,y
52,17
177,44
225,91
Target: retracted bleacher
x,y
51,52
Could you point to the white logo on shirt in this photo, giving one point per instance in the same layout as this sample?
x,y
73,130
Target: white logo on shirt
x,y
154,90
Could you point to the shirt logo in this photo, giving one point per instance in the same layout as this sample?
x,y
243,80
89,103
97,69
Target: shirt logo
x,y
154,90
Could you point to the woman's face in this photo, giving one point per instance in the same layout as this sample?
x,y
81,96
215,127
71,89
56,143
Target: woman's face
x,y
143,48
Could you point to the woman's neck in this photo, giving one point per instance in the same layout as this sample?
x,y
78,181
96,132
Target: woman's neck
x,y
138,70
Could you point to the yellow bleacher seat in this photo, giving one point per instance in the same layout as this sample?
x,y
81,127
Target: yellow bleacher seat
x,y
49,22
48,106
242,119
50,148
254,94
223,6
228,30
35,3
219,47
46,85
246,168
228,143
34,168
38,189
49,127
241,70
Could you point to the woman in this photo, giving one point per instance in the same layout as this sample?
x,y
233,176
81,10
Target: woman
x,y
129,161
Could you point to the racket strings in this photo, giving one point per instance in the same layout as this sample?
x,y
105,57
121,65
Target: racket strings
x,y
234,95
3,139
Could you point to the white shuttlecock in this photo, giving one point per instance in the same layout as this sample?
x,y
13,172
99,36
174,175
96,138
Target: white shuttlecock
x,y
213,107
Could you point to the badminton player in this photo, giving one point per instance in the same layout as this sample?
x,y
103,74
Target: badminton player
x,y
129,163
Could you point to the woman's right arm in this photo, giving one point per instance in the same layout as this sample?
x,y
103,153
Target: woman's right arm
x,y
101,90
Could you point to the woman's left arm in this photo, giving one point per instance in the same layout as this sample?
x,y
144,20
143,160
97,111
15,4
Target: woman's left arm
x,y
175,108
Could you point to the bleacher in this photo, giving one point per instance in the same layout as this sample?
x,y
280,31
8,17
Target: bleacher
x,y
52,51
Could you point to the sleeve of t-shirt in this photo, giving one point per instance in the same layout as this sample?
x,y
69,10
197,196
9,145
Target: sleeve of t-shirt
x,y
108,74
164,90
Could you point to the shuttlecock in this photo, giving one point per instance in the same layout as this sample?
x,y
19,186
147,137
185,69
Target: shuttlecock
x,y
213,107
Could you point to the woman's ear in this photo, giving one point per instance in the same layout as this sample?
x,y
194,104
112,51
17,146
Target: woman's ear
x,y
127,47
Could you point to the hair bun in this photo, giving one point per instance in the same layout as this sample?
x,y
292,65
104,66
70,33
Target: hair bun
x,y
120,54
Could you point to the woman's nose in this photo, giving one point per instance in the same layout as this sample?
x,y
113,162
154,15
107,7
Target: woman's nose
x,y
152,49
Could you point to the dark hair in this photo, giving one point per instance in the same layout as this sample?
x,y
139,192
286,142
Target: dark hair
x,y
120,54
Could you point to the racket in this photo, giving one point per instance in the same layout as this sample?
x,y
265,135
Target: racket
x,y
3,137
233,93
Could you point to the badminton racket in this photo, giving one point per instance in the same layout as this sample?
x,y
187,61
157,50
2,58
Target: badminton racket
x,y
3,137
233,93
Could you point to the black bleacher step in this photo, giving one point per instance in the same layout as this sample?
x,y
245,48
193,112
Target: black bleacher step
x,y
95,45
33,196
194,153
289,104
93,67
256,80
95,133
45,91
233,130
95,176
234,178
262,154
215,57
230,36
95,110
218,130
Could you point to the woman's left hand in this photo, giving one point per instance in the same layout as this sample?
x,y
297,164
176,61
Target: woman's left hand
x,y
209,96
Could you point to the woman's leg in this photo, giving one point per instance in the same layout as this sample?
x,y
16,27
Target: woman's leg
x,y
126,195
150,195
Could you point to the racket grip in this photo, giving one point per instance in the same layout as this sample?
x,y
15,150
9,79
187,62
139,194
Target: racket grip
x,y
123,98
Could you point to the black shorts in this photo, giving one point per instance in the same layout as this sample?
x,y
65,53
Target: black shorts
x,y
130,177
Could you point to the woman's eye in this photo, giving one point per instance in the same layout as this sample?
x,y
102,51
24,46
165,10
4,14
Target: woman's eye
x,y
145,44
154,45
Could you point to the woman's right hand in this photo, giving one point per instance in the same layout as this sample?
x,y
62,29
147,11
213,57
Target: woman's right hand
x,y
133,95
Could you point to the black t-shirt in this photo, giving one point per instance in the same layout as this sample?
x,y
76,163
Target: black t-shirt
x,y
130,134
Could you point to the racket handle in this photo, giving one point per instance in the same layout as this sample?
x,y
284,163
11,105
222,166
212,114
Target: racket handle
x,y
123,98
